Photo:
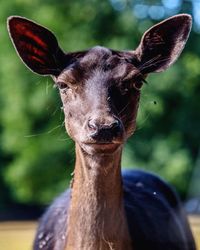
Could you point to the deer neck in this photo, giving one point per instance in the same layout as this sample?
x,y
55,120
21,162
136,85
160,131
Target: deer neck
x,y
96,219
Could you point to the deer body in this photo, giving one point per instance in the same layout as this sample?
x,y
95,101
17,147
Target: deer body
x,y
100,90
148,226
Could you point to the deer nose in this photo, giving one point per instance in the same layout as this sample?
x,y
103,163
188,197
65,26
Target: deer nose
x,y
104,131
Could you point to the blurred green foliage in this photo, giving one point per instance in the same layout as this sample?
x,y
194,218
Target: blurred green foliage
x,y
37,156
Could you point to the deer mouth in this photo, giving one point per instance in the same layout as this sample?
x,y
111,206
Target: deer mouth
x,y
101,147
103,144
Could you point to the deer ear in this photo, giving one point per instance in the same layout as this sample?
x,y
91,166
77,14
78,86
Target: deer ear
x,y
162,44
36,46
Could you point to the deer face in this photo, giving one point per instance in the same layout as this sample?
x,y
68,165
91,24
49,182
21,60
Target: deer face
x,y
100,94
100,88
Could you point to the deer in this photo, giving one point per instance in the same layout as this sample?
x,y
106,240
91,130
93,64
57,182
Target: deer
x,y
106,208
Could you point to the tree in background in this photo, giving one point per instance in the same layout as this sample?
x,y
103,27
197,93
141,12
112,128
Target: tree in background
x,y
37,156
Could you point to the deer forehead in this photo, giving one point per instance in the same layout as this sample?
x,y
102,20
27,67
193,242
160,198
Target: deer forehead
x,y
99,66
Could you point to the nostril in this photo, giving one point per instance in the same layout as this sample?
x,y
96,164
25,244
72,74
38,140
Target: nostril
x,y
92,125
115,124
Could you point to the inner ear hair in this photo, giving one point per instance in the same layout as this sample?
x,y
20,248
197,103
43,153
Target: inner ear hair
x,y
36,46
162,44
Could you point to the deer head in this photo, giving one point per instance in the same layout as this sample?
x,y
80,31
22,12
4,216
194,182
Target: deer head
x,y
100,87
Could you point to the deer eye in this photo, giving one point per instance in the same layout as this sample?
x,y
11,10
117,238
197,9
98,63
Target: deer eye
x,y
137,85
62,85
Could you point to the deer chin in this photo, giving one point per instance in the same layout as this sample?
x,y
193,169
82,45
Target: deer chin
x,y
105,148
